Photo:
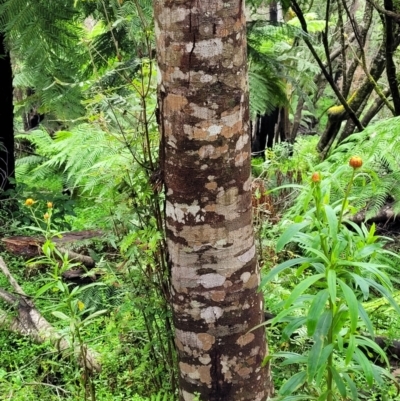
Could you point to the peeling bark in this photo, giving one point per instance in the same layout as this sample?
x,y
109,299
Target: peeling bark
x,y
205,157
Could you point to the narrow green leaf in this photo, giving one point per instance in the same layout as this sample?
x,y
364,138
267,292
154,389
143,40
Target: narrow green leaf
x,y
384,293
293,383
316,309
292,326
365,365
331,281
352,305
364,317
44,288
351,346
60,315
368,343
317,358
332,222
351,385
323,325
290,232
339,382
362,284
301,287
279,268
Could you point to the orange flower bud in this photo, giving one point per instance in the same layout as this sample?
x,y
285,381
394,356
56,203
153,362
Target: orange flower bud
x,y
46,216
355,162
49,205
29,202
316,177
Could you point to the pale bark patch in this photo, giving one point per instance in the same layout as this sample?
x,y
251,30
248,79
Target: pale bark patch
x,y
248,255
218,296
202,113
245,339
206,48
198,341
206,340
211,314
174,103
245,372
212,280
180,212
241,159
245,277
242,142
252,282
175,14
211,186
195,372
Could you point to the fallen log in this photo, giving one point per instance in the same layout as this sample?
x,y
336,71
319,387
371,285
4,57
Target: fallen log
x,y
31,247
30,322
385,214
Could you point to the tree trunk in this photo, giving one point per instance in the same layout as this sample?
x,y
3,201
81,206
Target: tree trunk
x,y
205,159
7,161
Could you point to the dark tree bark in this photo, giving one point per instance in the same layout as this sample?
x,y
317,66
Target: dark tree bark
x,y
205,158
264,133
390,65
7,160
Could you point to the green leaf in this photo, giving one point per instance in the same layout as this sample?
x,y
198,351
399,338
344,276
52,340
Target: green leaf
x,y
44,288
293,383
318,365
301,287
351,385
294,324
332,222
316,309
60,315
352,304
368,343
365,365
324,323
279,268
331,281
351,346
339,382
364,317
290,232
384,293
362,284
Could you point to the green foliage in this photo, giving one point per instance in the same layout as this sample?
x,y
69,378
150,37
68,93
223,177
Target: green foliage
x,y
378,145
340,266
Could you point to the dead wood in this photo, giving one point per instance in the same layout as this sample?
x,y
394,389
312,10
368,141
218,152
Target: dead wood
x,y
30,322
30,247
385,214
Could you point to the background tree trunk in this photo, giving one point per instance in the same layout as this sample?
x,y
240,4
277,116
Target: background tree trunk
x,y
205,158
7,161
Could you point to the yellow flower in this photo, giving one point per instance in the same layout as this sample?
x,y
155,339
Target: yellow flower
x,y
46,216
81,305
49,205
29,202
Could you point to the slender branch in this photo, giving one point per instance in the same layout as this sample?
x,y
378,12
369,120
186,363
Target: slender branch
x,y
390,65
384,11
328,77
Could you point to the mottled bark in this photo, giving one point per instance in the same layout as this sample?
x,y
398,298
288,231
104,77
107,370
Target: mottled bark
x,y
7,160
205,157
